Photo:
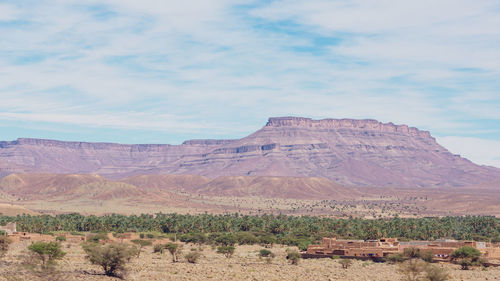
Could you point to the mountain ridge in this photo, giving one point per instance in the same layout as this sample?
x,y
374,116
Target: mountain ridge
x,y
347,151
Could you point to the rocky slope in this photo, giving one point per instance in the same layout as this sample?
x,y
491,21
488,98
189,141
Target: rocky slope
x,y
347,151
159,187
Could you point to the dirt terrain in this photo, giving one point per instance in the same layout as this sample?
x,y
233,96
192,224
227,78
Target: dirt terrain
x,y
244,265
94,194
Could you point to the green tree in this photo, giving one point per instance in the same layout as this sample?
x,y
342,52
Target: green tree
x,y
111,257
466,256
173,249
227,251
47,252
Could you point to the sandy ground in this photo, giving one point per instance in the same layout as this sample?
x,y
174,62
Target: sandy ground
x,y
244,265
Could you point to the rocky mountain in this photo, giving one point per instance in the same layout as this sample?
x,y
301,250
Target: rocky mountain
x,y
346,151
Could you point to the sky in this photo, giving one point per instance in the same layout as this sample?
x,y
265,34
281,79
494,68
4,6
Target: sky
x,y
165,71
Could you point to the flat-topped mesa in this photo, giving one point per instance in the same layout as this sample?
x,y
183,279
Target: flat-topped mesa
x,y
364,124
84,145
207,142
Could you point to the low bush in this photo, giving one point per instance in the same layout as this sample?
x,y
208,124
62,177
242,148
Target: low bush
x,y
111,257
395,258
293,256
435,273
192,257
96,237
412,269
158,248
346,263
265,253
4,245
61,238
227,251
141,243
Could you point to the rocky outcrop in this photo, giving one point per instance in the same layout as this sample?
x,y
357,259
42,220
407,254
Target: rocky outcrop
x,y
347,151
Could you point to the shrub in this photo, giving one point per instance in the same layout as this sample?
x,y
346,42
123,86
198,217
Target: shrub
x,y
150,236
466,256
192,257
246,238
61,238
227,251
435,273
294,257
4,245
196,238
267,240
47,252
158,248
141,243
411,252
412,269
395,258
173,248
265,253
96,237
427,256
111,257
226,239
346,263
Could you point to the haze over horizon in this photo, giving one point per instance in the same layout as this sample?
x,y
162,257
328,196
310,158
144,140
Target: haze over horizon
x,y
164,71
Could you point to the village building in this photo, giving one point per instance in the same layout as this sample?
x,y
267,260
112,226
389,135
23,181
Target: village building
x,y
441,249
10,227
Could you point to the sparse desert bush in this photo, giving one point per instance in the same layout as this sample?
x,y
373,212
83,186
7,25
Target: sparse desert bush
x,y
61,238
4,245
466,256
227,251
268,255
346,263
395,258
158,248
293,256
141,243
435,273
412,269
225,239
411,252
111,257
47,253
265,253
96,237
246,238
173,249
267,240
192,257
427,256
195,238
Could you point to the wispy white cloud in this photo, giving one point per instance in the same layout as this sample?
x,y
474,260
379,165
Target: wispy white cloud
x,y
223,67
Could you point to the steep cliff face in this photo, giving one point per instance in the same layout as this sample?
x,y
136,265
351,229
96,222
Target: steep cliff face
x,y
347,151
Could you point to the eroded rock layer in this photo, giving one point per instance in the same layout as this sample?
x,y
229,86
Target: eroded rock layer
x,y
347,151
